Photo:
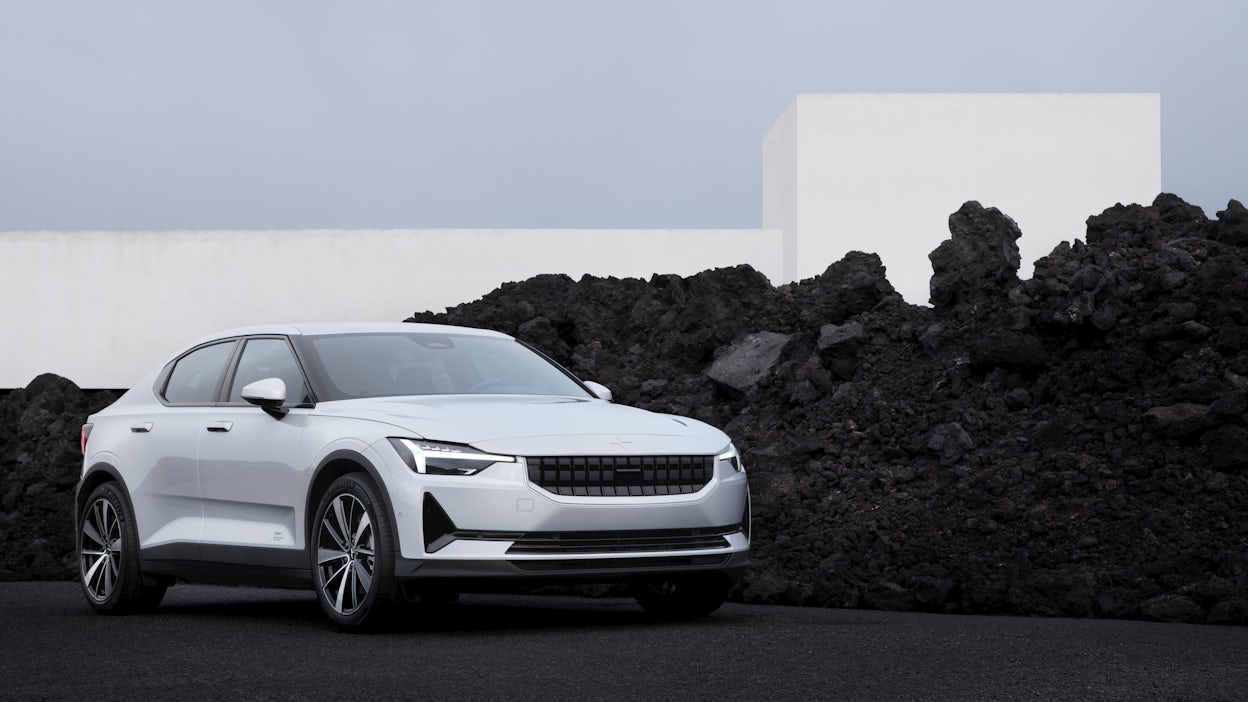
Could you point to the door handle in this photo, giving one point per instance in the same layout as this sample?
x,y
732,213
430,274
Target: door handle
x,y
220,426
141,427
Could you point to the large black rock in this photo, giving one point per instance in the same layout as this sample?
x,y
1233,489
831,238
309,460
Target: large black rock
x,y
980,259
39,465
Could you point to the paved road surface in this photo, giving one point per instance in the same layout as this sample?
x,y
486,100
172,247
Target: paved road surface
x,y
243,643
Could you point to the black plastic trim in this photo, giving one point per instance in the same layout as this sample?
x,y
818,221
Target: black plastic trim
x,y
747,517
554,542
436,525
231,565
439,531
271,557
575,564
472,574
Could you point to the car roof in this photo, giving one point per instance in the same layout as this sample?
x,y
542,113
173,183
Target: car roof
x,y
324,328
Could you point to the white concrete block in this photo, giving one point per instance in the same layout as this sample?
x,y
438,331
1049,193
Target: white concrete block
x,y
882,172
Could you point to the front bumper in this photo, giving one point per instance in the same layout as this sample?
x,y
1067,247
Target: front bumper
x,y
497,524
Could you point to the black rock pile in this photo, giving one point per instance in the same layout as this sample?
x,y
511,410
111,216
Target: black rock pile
x,y
1075,444
39,464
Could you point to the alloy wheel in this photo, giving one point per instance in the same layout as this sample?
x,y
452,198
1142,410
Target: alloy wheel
x,y
100,550
346,554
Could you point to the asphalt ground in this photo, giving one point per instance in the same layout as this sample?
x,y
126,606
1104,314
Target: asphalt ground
x,y
246,643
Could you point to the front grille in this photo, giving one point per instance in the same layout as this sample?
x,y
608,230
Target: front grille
x,y
635,541
621,476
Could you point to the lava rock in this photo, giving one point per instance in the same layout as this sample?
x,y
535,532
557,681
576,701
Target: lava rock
x,y
950,442
1178,420
839,338
981,258
1009,349
838,346
40,463
1232,225
1172,608
1228,447
744,364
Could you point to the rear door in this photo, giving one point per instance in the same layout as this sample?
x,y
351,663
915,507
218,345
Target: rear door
x,y
160,450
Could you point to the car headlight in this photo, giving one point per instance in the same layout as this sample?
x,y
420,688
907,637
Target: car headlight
x,y
440,458
733,457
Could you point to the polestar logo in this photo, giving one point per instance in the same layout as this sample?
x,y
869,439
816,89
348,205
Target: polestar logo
x,y
619,441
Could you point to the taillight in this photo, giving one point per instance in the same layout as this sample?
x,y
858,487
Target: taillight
x,y
82,438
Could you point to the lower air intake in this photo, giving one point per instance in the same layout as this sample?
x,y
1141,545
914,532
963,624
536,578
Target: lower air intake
x,y
619,563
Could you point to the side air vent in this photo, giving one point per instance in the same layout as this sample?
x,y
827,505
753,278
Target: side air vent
x,y
437,525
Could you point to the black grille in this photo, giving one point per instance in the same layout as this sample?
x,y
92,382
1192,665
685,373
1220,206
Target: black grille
x,y
619,476
622,541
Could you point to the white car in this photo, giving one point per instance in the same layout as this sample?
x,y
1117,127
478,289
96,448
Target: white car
x,y
390,463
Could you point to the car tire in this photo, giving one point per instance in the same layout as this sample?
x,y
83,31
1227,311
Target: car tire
x,y
107,544
682,596
352,555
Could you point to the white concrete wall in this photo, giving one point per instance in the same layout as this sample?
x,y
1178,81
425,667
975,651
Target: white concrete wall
x,y
841,172
882,172
104,307
780,185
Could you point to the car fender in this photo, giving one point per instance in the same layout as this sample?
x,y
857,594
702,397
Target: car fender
x,y
366,457
103,464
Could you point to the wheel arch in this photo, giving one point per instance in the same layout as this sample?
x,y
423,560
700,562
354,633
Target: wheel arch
x,y
154,586
94,477
333,466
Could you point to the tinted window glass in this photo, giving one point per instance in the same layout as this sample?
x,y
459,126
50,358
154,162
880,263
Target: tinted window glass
x,y
268,358
194,378
378,365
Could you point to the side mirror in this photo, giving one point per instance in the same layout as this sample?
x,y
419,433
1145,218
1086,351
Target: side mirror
x,y
269,393
600,390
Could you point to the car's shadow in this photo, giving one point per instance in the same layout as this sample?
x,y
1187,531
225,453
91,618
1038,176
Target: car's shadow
x,y
472,613
251,604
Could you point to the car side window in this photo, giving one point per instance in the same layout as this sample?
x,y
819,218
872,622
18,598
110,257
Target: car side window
x,y
269,358
195,376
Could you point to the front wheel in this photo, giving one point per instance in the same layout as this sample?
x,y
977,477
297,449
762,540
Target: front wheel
x,y
682,596
108,556
352,554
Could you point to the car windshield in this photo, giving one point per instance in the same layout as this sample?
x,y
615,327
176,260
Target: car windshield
x,y
351,366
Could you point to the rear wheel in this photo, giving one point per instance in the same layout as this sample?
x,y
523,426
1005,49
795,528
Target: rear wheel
x,y
682,596
108,555
353,555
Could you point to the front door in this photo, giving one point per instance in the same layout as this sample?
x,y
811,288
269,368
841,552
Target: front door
x,y
252,479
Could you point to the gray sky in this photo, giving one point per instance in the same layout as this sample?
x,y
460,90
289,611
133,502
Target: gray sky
x,y
154,114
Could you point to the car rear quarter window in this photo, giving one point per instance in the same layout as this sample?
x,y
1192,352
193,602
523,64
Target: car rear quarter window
x,y
195,376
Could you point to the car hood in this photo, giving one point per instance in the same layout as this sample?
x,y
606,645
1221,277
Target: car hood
x,y
536,425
